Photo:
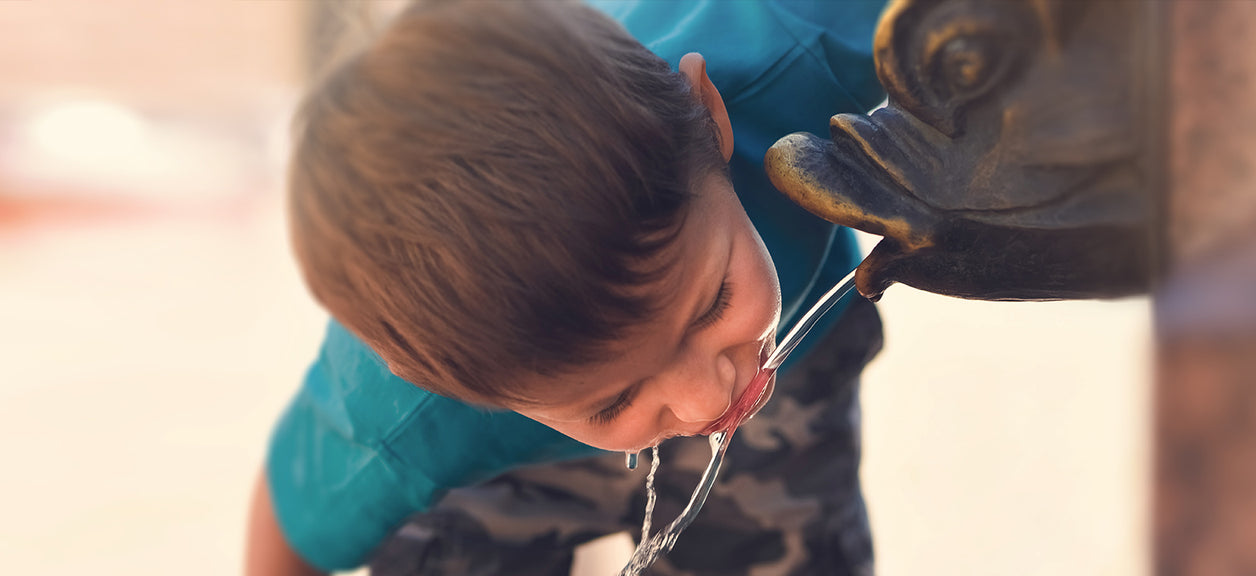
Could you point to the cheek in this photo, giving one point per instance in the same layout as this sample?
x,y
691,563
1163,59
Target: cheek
x,y
761,275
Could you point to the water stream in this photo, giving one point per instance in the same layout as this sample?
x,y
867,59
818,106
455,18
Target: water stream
x,y
651,548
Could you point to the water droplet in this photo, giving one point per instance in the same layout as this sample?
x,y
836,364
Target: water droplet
x,y
632,460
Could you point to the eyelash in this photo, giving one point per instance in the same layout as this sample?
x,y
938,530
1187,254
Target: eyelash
x,y
722,301
608,414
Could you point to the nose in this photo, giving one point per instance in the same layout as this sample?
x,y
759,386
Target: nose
x,y
703,390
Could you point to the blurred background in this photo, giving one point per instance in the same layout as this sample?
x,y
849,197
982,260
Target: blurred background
x,y
152,326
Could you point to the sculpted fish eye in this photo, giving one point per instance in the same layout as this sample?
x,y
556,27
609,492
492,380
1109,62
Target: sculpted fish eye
x,y
964,53
964,67
964,63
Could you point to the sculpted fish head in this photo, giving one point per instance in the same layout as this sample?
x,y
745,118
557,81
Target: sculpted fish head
x,y
1009,162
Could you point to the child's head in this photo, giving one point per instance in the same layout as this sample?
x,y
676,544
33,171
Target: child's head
x,y
498,197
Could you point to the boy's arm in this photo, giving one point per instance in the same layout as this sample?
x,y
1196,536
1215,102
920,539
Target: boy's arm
x,y
267,552
358,450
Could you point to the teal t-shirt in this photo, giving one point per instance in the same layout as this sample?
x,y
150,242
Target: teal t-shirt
x,y
358,449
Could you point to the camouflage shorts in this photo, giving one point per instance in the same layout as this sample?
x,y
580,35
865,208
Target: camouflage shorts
x,y
787,501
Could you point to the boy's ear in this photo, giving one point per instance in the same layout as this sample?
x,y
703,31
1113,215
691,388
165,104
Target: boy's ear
x,y
693,66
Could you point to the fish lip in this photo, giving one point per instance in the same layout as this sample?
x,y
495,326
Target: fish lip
x,y
902,153
864,184
866,157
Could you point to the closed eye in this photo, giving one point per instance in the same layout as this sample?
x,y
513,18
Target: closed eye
x,y
621,403
716,312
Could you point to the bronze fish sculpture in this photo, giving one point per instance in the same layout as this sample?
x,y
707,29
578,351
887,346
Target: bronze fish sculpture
x,y
1014,160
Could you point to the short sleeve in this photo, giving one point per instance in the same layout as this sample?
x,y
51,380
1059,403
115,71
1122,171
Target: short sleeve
x,y
358,450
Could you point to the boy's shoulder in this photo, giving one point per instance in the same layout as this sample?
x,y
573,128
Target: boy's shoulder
x,y
744,42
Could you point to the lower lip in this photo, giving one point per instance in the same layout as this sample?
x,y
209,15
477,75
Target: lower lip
x,y
746,404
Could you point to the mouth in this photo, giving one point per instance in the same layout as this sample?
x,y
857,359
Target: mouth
x,y
872,153
892,152
751,400
859,178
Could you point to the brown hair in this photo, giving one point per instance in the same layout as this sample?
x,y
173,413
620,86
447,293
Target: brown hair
x,y
481,191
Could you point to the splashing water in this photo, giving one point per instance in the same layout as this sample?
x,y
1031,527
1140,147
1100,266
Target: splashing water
x,y
651,548
650,495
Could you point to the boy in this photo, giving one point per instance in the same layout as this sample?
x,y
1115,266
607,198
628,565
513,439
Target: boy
x,y
518,207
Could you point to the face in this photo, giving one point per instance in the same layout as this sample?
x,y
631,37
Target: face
x,y
677,373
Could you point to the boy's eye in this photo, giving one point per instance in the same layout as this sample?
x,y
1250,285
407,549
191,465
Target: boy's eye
x,y
723,299
609,413
718,307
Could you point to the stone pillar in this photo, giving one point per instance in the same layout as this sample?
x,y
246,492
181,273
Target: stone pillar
x,y
1205,431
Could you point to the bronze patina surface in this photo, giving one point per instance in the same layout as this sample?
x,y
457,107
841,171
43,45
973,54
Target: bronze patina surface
x,y
1012,161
